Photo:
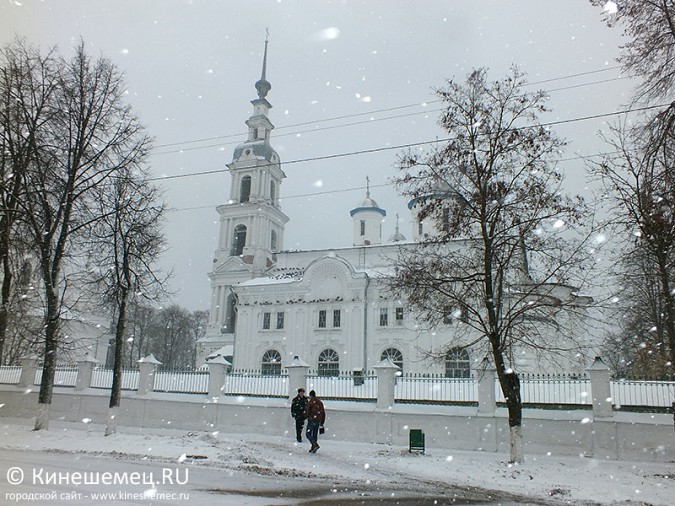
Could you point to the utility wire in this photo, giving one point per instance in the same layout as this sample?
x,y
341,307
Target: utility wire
x,y
377,111
412,144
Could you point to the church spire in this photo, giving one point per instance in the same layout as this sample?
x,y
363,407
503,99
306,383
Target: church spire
x,y
263,85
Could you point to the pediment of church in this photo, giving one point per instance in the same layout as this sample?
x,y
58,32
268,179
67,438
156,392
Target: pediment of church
x,y
231,265
328,278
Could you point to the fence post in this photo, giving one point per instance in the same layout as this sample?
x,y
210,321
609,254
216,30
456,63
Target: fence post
x,y
28,369
297,376
600,393
218,366
485,376
84,370
386,380
147,366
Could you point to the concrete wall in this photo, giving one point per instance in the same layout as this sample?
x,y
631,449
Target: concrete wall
x,y
626,436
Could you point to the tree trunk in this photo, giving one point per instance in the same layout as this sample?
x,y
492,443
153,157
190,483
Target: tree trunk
x,y
111,423
118,364
510,385
49,365
4,305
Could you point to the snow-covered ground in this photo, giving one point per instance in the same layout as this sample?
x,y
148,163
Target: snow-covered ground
x,y
356,471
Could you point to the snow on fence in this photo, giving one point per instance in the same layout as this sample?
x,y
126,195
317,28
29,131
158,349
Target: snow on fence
x,y
190,382
253,383
65,376
435,388
642,393
102,377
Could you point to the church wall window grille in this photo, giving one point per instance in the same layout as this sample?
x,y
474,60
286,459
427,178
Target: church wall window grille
x,y
266,322
280,320
399,316
457,363
394,355
363,227
446,219
273,241
271,363
322,318
384,316
420,228
337,317
238,241
452,314
329,363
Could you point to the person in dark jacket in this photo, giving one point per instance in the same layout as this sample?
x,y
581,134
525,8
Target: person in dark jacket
x,y
316,417
298,406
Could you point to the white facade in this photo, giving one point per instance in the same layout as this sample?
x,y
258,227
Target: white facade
x,y
327,307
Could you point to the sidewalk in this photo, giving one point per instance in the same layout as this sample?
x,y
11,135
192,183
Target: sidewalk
x,y
552,479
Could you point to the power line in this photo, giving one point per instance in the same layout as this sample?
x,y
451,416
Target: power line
x,y
377,111
413,144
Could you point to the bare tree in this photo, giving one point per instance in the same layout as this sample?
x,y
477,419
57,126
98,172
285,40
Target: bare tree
x,y
640,348
174,338
27,86
125,243
649,26
497,259
639,177
90,136
141,322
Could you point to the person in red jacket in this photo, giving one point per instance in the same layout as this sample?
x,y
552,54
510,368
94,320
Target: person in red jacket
x,y
316,416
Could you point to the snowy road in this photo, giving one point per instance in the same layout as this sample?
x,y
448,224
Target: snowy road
x,y
57,477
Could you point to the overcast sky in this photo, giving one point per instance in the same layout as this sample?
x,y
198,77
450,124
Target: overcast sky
x,y
347,76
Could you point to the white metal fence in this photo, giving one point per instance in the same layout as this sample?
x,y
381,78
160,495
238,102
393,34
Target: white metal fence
x,y
190,382
432,389
642,393
551,390
10,374
65,376
255,384
544,390
102,377
345,387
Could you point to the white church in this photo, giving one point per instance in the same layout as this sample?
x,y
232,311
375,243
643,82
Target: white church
x,y
327,307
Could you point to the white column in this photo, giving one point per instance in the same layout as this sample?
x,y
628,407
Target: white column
x,y
386,380
147,367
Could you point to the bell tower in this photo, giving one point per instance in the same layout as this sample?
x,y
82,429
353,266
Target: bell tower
x,y
251,223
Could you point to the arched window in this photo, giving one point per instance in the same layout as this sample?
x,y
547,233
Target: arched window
x,y
273,192
394,355
273,241
245,189
329,363
230,314
457,364
239,240
271,363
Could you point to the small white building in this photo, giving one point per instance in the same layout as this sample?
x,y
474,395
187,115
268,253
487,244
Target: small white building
x,y
328,307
